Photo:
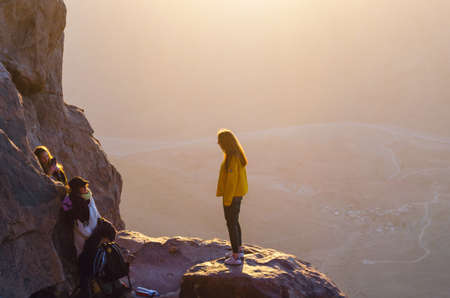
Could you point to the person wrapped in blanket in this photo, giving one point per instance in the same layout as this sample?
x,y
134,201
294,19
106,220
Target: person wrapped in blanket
x,y
90,230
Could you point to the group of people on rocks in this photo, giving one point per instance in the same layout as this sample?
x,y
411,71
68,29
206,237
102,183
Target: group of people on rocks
x,y
88,227
91,230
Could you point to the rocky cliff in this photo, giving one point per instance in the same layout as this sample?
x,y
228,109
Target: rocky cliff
x,y
33,112
33,247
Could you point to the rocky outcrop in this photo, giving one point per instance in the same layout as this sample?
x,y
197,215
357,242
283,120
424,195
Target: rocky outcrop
x,y
265,273
29,206
191,267
31,50
33,112
31,43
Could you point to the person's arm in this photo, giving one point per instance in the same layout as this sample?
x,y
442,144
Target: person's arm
x,y
86,230
231,181
83,230
95,210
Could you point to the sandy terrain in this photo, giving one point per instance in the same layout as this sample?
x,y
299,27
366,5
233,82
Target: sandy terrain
x,y
366,204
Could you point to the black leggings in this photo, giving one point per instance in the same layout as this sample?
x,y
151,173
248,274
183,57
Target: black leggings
x,y
84,267
234,228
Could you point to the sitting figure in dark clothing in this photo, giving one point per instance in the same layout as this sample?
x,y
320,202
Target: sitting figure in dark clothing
x,y
90,231
84,211
104,232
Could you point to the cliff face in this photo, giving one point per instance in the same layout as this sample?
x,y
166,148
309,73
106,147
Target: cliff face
x,y
33,112
31,50
33,247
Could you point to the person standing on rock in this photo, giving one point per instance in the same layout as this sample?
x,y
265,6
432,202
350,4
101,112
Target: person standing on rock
x,y
48,163
232,186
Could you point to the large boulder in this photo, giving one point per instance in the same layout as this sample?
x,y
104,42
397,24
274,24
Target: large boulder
x,y
192,267
265,273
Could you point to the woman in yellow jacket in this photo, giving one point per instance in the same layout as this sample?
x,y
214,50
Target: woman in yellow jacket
x,y
232,186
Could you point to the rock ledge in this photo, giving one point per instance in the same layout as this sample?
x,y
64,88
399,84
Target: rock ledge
x,y
192,267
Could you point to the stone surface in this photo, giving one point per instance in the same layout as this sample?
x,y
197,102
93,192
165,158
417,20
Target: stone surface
x,y
264,273
159,263
33,112
12,116
31,43
31,51
29,206
196,267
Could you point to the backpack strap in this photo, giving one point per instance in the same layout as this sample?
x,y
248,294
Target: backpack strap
x,y
99,261
116,247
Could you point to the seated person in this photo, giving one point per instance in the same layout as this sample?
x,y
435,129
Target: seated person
x,y
90,230
103,233
49,164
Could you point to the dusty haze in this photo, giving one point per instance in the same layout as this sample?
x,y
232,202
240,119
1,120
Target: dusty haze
x,y
187,68
342,108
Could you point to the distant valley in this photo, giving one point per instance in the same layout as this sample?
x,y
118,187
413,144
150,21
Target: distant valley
x,y
366,204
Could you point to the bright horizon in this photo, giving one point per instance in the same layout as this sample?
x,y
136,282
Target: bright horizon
x,y
186,69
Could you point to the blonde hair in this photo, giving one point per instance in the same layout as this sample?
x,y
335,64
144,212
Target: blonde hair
x,y
230,145
38,150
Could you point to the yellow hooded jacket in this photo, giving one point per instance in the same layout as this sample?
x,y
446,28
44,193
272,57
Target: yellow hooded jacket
x,y
232,180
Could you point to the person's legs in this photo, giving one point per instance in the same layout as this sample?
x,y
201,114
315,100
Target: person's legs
x,y
239,236
85,286
232,228
237,201
232,219
84,272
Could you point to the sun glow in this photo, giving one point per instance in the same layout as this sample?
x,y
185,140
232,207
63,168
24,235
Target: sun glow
x,y
283,62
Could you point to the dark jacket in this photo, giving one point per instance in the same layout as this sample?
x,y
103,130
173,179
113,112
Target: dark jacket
x,y
60,176
80,208
104,229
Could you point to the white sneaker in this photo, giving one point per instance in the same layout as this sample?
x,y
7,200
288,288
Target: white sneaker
x,y
232,261
230,254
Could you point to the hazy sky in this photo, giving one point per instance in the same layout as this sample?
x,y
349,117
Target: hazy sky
x,y
163,69
160,68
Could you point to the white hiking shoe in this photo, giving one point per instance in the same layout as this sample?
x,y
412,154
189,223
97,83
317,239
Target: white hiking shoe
x,y
230,254
232,261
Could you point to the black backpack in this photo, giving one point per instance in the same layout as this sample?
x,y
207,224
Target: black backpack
x,y
109,264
